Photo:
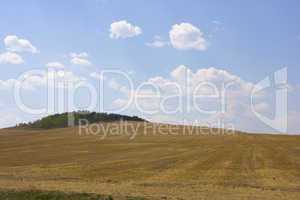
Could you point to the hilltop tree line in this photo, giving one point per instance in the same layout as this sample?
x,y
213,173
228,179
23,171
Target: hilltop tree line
x,y
62,120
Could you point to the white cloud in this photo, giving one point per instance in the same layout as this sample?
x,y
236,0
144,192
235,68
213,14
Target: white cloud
x,y
11,58
57,65
16,44
7,84
113,84
261,107
210,75
31,81
98,76
181,73
186,36
181,88
119,102
80,58
217,22
158,42
82,55
9,119
123,29
60,77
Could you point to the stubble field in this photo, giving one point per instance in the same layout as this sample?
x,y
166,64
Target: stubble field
x,y
151,166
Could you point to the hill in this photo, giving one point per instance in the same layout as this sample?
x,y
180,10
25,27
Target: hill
x,y
61,120
151,165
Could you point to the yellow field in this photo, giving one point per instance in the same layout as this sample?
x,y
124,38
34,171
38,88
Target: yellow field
x,y
170,166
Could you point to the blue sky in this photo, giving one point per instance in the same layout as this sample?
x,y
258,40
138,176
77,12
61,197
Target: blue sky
x,y
248,39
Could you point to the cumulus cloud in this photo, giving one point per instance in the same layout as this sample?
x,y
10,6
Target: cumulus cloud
x,y
16,44
204,81
9,118
187,80
57,78
181,73
186,36
11,58
80,58
119,102
261,107
157,42
186,93
57,65
113,84
97,75
7,84
123,29
210,75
